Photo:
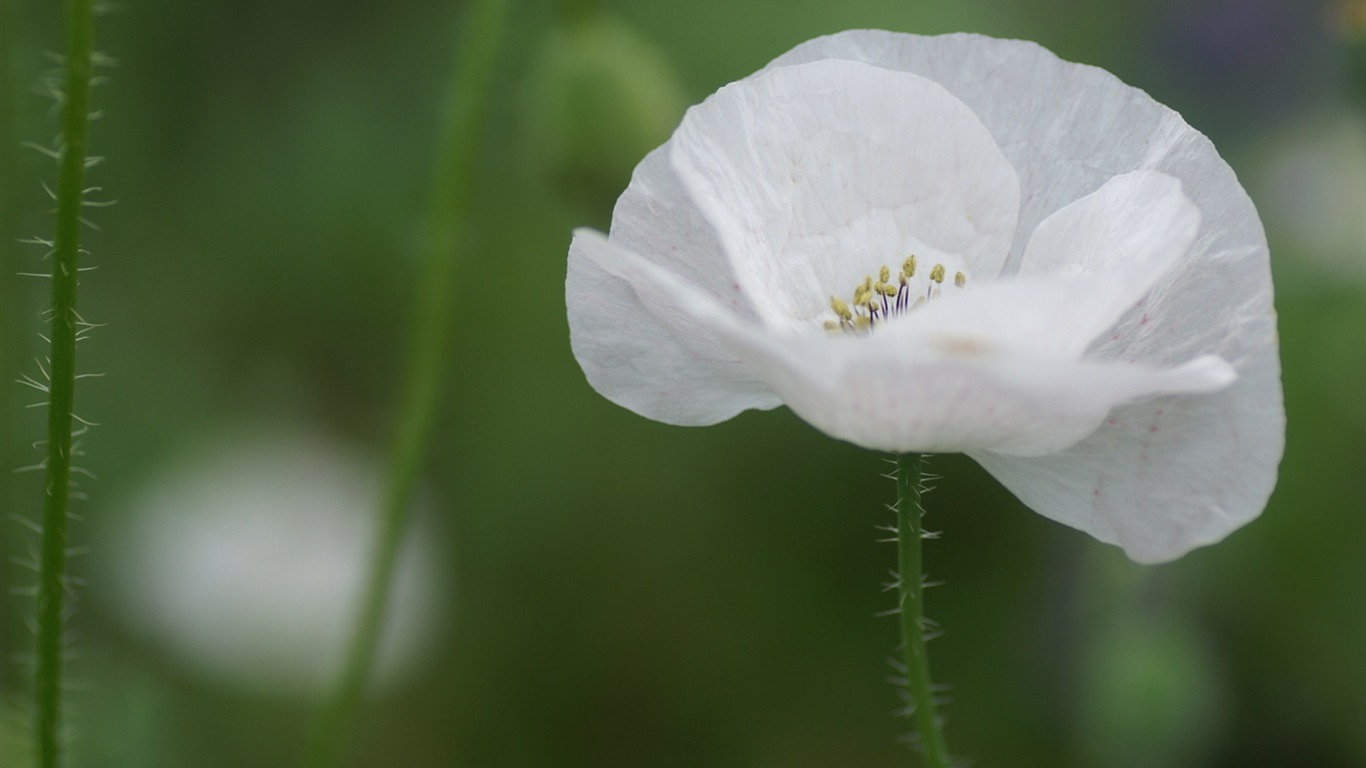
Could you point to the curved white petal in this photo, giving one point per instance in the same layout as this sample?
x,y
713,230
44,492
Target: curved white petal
x,y
656,219
1086,266
1124,237
904,389
943,399
657,366
645,353
1066,128
816,175
1160,476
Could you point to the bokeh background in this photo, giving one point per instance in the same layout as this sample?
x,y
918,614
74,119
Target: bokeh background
x,y
585,587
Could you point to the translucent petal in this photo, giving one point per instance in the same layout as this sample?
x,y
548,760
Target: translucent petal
x,y
1121,240
643,352
658,366
948,399
656,219
1066,128
902,389
814,176
1161,477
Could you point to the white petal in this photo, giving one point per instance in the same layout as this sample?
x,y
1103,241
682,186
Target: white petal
x,y
659,368
951,399
1161,477
1066,128
814,176
645,353
1085,267
902,389
656,219
1211,463
1121,240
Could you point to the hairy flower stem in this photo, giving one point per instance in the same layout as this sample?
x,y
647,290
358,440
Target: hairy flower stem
x,y
432,323
52,582
911,593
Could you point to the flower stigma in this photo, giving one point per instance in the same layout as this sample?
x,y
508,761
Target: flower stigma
x,y
877,301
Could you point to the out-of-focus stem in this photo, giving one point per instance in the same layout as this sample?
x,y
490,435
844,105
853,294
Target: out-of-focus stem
x,y
432,326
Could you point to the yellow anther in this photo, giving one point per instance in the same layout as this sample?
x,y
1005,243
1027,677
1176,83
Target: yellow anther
x,y
840,308
870,305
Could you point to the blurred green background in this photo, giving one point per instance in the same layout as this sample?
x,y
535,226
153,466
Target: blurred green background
x,y
609,591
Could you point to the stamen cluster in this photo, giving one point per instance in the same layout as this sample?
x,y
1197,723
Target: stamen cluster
x,y
879,300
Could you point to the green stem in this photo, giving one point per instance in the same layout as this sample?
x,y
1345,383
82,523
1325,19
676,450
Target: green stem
x,y
52,582
432,325
911,592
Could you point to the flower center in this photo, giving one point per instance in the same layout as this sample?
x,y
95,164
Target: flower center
x,y
877,301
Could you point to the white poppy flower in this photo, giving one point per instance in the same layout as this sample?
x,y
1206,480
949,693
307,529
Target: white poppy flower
x,y
1088,313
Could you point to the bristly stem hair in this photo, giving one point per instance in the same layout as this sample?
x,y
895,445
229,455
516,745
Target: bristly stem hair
x,y
432,323
910,596
61,386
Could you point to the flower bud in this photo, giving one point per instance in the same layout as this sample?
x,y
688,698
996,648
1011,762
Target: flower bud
x,y
598,99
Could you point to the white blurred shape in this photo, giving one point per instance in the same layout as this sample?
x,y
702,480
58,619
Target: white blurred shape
x,y
246,561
